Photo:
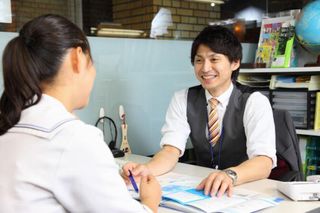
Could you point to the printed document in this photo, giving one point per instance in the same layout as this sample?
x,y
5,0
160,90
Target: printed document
x,y
178,192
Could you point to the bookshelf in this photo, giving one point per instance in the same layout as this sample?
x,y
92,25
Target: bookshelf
x,y
291,71
309,132
286,71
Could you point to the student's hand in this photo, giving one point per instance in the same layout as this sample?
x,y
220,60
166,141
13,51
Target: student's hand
x,y
216,184
150,192
137,170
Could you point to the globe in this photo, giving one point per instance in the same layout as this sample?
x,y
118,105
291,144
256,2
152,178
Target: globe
x,y
308,27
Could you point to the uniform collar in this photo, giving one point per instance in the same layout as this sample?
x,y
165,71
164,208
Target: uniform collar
x,y
223,98
45,119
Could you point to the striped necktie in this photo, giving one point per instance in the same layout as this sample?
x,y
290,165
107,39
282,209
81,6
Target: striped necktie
x,y
213,123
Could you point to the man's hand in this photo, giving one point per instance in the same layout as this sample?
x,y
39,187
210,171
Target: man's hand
x,y
216,184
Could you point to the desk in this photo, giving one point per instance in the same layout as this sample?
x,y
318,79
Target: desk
x,y
265,186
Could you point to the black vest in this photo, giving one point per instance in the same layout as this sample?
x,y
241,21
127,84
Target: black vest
x,y
233,148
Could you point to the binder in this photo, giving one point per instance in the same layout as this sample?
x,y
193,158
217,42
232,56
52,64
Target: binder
x,y
317,112
300,103
312,162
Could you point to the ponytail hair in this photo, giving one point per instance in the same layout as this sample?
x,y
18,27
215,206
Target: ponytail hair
x,y
33,58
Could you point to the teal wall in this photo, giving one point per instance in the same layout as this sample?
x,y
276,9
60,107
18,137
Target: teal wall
x,y
141,75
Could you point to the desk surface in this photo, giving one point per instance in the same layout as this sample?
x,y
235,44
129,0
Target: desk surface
x,y
265,186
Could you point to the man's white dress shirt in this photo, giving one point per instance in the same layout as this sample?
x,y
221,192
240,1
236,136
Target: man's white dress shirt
x,y
257,120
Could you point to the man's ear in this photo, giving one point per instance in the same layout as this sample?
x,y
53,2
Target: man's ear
x,y
76,59
235,65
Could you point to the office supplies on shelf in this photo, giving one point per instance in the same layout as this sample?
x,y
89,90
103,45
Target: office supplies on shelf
x,y
311,83
300,190
133,182
300,103
124,128
312,160
255,81
178,192
317,112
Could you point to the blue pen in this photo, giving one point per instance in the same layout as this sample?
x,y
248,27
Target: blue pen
x,y
133,182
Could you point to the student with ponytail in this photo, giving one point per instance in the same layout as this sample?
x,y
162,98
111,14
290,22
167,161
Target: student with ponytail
x,y
49,160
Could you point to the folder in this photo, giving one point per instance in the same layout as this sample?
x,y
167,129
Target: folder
x,y
317,112
300,103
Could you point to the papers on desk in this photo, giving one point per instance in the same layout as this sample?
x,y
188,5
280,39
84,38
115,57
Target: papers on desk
x,y
178,192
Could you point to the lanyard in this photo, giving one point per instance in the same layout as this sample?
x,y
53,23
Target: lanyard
x,y
219,151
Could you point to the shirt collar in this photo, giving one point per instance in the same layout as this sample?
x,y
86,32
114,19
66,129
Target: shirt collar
x,y
44,119
223,98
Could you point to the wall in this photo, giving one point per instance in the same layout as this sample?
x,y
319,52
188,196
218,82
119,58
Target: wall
x,y
141,75
188,18
25,10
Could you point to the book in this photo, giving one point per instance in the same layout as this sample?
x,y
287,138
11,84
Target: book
x,y
285,53
317,112
179,193
312,161
276,42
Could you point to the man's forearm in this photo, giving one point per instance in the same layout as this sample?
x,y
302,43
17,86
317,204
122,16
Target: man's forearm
x,y
164,160
253,169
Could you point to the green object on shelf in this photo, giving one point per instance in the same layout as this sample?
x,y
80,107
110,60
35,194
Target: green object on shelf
x,y
285,55
312,163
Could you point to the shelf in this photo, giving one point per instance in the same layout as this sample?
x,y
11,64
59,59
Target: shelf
x,y
292,70
309,132
281,70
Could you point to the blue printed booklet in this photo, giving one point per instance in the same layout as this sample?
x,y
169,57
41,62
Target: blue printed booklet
x,y
178,192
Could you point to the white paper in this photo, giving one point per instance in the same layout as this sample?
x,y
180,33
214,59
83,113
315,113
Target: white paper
x,y
176,188
5,11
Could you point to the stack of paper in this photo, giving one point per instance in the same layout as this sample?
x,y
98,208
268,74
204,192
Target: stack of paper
x,y
179,193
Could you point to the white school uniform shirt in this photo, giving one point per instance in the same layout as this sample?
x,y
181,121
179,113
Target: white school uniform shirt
x,y
53,162
257,120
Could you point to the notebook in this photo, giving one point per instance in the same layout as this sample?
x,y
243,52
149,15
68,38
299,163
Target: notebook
x,y
179,193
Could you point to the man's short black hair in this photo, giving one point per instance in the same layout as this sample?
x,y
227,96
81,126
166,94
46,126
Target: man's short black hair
x,y
220,40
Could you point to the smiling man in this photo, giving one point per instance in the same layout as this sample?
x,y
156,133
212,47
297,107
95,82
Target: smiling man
x,y
230,127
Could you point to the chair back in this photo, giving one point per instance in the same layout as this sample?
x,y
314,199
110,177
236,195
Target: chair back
x,y
289,166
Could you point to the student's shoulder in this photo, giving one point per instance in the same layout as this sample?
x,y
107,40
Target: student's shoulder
x,y
83,136
79,128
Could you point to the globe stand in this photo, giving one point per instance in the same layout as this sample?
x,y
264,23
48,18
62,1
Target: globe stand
x,y
317,64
